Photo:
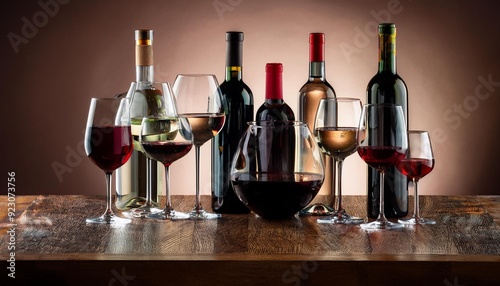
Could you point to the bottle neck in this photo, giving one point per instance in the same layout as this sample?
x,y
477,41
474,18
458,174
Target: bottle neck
x,y
233,73
274,82
316,56
387,53
144,70
144,74
317,71
234,52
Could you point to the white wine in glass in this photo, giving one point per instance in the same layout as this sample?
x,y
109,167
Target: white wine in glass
x,y
199,100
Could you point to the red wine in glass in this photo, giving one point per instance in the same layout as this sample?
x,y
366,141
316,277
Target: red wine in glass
x,y
382,143
166,140
418,162
292,191
381,158
166,152
108,145
415,168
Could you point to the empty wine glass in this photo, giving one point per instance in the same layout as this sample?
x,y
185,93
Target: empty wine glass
x,y
382,142
108,144
199,101
418,162
335,129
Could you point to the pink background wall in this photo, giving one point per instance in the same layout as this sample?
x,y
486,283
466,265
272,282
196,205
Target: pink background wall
x,y
54,59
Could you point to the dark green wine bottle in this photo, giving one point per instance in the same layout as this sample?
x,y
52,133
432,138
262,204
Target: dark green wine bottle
x,y
239,101
388,87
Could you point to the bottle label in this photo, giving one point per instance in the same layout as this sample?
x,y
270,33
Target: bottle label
x,y
387,47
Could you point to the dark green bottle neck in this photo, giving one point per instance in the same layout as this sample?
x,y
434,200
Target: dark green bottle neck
x,y
387,53
234,56
233,73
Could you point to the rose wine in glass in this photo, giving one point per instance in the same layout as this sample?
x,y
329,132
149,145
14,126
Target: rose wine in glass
x,y
336,126
418,162
382,143
199,100
166,139
108,144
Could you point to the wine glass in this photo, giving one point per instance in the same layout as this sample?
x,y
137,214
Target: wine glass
x,y
277,168
147,99
382,142
199,101
108,144
335,129
166,139
418,162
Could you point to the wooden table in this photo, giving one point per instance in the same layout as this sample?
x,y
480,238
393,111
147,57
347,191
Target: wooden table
x,y
53,245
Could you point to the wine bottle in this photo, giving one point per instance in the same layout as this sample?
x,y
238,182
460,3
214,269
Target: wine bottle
x,y
139,173
274,107
315,89
276,112
388,87
239,101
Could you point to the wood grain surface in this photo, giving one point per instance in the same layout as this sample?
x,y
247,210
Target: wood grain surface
x,y
463,247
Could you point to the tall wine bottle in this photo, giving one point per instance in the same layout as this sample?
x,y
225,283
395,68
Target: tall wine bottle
x,y
239,101
140,173
388,87
315,89
274,107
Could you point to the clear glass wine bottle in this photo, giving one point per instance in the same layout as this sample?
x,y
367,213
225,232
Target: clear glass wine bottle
x,y
140,174
310,94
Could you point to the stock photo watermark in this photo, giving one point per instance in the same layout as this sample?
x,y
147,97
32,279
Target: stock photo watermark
x,y
120,278
11,232
299,273
73,158
455,115
223,6
32,25
363,36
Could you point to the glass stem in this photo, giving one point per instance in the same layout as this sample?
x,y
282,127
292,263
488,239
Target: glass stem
x,y
109,212
149,182
197,206
168,204
381,214
339,162
416,207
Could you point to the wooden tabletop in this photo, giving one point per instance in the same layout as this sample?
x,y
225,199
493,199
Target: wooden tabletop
x,y
53,244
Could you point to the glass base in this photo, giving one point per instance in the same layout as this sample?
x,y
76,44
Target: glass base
x,y
415,220
197,214
143,211
317,209
341,219
109,219
169,215
381,224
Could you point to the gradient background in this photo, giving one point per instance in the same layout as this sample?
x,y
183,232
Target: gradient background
x,y
85,49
